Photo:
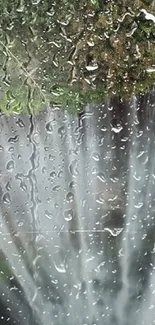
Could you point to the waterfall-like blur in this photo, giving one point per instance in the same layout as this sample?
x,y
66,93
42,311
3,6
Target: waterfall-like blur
x,y
77,227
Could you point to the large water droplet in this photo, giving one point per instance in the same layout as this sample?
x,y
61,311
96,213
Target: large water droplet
x,y
68,214
48,214
14,139
73,168
61,131
11,149
96,156
10,165
20,123
53,174
8,186
72,185
69,197
23,186
101,177
61,268
49,127
92,67
56,188
114,232
6,198
117,129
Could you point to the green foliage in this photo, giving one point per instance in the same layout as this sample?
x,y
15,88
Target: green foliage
x,y
48,51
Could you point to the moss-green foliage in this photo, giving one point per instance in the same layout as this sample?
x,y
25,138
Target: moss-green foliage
x,y
46,48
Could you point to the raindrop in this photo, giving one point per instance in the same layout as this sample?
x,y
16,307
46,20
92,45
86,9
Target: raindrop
x,y
101,177
100,199
114,179
60,269
48,214
8,186
1,148
61,131
20,123
23,186
103,129
96,156
49,127
137,178
35,2
73,168
10,165
44,169
20,224
139,134
94,171
140,154
124,139
114,232
139,205
69,197
92,67
53,174
56,188
72,185
36,138
6,198
11,149
60,174
68,214
117,129
14,139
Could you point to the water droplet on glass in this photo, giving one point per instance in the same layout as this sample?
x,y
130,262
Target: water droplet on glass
x,y
101,177
56,188
20,123
61,131
69,197
96,156
60,174
73,168
48,214
6,198
114,232
53,174
14,139
20,224
68,214
36,137
72,185
138,205
10,165
117,129
92,67
1,148
61,268
49,128
11,149
23,186
8,186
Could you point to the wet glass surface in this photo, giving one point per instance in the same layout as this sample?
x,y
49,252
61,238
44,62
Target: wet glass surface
x,y
77,170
